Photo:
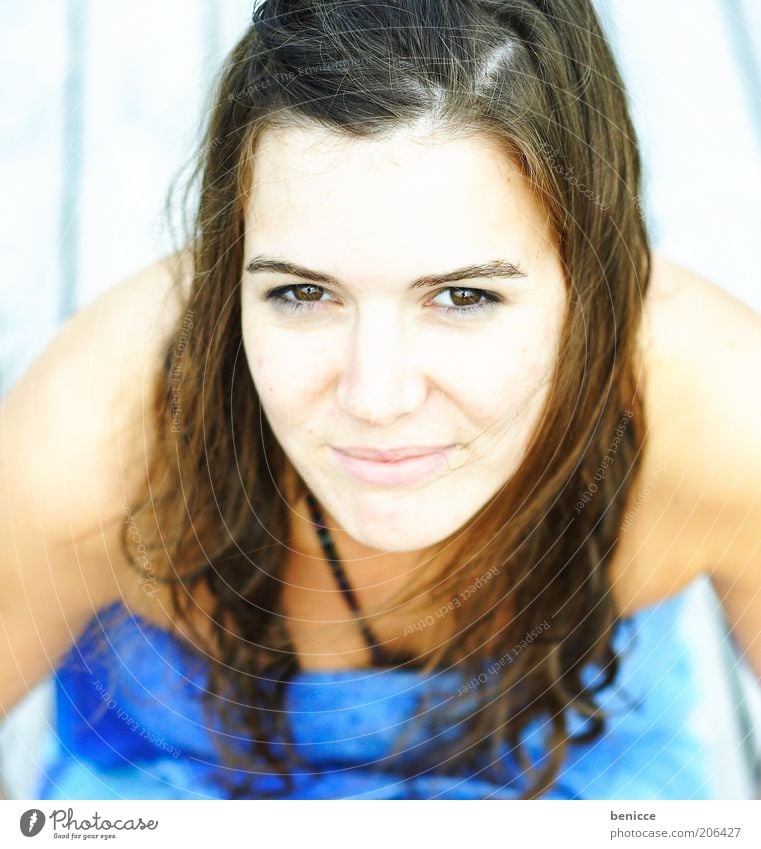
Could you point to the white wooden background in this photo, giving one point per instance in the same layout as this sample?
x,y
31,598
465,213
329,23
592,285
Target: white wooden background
x,y
101,101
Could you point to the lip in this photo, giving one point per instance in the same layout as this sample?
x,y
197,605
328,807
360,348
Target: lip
x,y
392,454
395,472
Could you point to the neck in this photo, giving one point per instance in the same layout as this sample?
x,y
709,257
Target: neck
x,y
364,566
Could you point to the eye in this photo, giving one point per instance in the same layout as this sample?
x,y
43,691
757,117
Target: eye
x,y
307,294
466,302
477,301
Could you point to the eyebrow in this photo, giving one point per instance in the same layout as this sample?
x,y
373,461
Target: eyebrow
x,y
493,268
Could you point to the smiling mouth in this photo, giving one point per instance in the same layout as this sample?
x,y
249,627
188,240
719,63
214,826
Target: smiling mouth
x,y
388,473
392,454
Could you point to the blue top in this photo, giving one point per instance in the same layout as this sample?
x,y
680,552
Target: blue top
x,y
130,724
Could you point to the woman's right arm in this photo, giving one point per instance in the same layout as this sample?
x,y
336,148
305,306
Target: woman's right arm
x,y
74,432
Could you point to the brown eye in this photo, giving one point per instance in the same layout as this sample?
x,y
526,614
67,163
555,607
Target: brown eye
x,y
314,293
298,298
458,297
469,303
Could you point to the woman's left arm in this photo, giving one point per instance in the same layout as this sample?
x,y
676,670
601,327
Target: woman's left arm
x,y
730,506
696,509
720,449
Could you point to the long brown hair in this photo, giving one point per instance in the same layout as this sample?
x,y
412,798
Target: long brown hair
x,y
539,78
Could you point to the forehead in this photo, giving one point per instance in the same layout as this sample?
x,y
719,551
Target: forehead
x,y
441,199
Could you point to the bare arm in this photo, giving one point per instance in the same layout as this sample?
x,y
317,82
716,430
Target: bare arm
x,y
712,463
72,449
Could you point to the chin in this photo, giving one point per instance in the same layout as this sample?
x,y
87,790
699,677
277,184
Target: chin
x,y
395,530
394,520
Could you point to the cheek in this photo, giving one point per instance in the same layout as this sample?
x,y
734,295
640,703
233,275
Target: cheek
x,y
494,380
286,377
512,402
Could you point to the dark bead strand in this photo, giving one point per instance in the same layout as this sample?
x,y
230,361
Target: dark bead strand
x,y
342,580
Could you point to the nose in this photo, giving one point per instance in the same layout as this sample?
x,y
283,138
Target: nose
x,y
381,380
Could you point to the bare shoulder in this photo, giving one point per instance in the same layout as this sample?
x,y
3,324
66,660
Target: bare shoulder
x,y
682,302
701,352
70,424
73,446
103,361
116,347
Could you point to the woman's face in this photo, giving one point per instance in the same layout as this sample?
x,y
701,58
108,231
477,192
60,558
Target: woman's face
x,y
368,361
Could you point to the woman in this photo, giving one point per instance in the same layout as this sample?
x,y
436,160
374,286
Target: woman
x,y
405,434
